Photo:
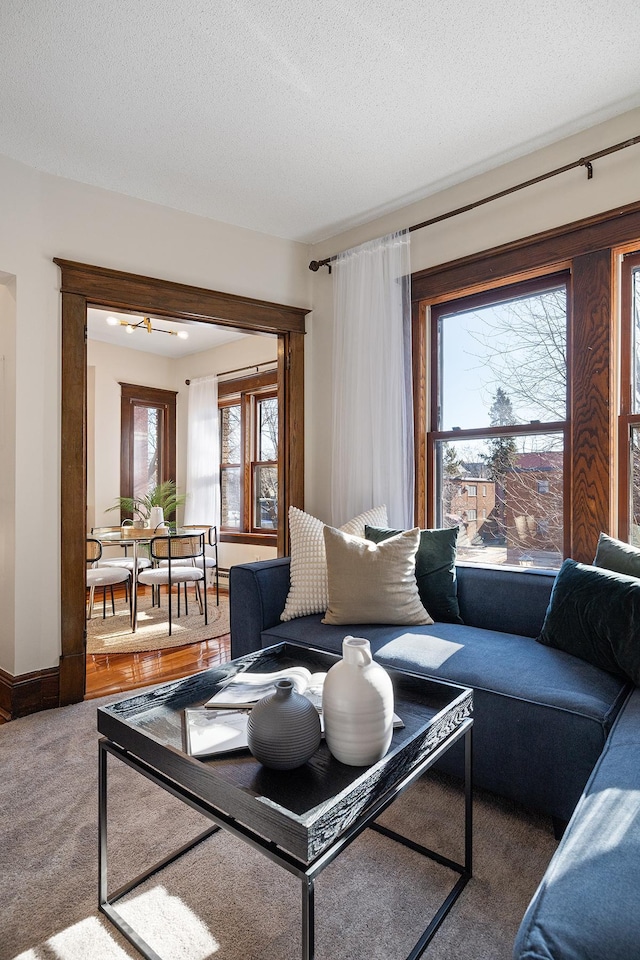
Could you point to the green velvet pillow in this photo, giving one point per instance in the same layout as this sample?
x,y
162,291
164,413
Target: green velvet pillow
x,y
594,614
435,569
617,555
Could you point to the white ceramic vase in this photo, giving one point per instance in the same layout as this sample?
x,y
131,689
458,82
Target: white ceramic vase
x,y
156,517
357,706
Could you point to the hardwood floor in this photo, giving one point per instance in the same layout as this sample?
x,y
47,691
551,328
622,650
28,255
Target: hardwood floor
x,y
119,672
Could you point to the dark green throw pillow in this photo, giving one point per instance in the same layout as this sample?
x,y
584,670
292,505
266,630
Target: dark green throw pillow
x,y
594,614
435,569
617,555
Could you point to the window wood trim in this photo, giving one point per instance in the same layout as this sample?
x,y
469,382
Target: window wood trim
x,y
540,251
135,395
588,248
628,418
245,392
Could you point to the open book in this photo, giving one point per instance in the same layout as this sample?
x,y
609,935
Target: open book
x,y
245,689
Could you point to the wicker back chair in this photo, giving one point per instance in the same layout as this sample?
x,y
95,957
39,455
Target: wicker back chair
x,y
103,577
180,555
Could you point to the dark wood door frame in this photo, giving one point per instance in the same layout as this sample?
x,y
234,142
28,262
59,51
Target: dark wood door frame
x,y
85,285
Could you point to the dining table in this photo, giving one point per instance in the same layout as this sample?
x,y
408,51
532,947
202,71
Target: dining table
x,y
135,537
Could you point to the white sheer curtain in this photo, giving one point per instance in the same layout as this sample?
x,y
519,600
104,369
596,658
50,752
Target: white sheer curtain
x,y
372,455
203,454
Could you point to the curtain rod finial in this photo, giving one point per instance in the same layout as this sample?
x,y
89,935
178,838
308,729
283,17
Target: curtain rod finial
x,y
316,264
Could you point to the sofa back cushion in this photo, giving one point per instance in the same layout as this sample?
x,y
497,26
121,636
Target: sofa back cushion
x,y
497,598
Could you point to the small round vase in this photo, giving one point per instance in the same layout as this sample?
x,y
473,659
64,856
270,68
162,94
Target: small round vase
x,y
283,731
357,706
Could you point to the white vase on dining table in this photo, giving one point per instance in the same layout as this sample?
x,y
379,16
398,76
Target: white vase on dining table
x,y
156,517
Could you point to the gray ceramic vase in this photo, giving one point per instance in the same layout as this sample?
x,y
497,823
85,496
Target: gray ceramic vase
x,y
283,731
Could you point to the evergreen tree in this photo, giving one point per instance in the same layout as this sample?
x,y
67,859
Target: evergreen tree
x,y
451,465
501,455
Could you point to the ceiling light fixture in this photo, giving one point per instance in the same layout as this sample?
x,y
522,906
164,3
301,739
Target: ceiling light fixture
x,y
145,324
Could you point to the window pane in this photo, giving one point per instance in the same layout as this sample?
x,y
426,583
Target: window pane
x,y
147,434
504,363
231,435
507,519
230,498
265,507
634,492
635,307
268,429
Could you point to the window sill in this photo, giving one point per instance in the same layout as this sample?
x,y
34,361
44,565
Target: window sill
x,y
256,539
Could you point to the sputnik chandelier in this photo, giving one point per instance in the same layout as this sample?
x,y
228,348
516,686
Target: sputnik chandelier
x,y
145,324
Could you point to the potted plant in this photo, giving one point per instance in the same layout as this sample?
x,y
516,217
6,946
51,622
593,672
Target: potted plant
x,y
165,496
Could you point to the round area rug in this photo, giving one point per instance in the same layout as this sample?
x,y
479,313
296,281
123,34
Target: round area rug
x,y
113,634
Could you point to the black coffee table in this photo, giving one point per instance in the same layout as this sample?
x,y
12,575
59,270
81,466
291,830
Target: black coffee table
x,y
301,819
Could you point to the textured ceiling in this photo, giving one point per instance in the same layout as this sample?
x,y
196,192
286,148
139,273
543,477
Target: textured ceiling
x,y
300,119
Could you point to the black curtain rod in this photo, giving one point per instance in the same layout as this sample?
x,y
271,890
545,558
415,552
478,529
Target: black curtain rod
x,y
252,366
582,162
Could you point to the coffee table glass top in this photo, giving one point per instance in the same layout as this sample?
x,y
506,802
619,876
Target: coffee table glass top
x,y
303,811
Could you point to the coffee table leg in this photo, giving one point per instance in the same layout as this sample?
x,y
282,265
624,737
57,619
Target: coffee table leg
x,y
102,824
468,802
308,919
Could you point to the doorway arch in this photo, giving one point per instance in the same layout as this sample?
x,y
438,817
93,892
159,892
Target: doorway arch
x,y
85,285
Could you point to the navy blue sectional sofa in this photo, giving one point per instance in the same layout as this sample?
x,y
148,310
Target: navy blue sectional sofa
x,y
543,720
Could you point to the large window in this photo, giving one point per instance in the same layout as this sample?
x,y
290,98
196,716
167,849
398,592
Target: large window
x,y
629,487
499,421
249,455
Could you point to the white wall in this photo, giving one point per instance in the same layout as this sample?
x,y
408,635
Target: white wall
x,y
110,365
7,467
560,200
42,217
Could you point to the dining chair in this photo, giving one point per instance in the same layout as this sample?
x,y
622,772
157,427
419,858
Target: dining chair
x,y
103,577
126,561
211,562
177,558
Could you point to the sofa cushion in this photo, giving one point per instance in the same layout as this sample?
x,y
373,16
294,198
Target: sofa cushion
x,y
541,716
435,569
618,556
594,614
373,583
308,588
587,903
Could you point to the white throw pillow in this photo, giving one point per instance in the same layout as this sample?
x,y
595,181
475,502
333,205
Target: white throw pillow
x,y
308,590
373,582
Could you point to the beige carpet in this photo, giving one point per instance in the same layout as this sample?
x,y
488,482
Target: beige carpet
x,y
113,634
224,901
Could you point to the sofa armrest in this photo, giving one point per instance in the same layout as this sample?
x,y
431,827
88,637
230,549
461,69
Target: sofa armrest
x,y
257,595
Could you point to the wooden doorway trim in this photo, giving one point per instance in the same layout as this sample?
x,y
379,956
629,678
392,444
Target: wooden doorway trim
x,y
85,285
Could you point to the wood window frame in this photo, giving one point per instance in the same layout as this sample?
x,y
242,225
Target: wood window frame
x,y
132,396
84,285
245,391
628,418
501,293
589,248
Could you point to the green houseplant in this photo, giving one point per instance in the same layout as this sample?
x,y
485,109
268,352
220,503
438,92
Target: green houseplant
x,y
163,495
